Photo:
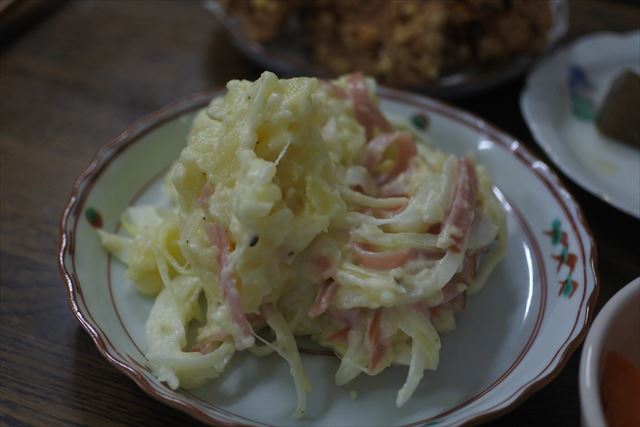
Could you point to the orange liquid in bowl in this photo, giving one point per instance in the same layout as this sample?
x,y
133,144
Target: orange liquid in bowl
x,y
620,391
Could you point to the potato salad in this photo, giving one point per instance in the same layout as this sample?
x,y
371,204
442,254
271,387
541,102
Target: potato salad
x,y
300,209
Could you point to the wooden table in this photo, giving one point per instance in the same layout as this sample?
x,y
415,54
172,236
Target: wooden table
x,y
73,80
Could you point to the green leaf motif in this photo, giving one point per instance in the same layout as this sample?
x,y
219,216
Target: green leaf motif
x,y
567,287
583,108
420,121
93,217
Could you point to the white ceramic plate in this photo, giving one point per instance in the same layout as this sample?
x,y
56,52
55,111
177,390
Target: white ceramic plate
x,y
513,338
289,55
556,103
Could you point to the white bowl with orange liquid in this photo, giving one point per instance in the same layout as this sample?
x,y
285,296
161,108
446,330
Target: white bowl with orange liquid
x,y
610,362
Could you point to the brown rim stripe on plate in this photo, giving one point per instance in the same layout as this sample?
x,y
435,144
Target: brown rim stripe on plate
x,y
184,105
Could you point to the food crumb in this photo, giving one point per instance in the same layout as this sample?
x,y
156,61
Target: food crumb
x,y
353,394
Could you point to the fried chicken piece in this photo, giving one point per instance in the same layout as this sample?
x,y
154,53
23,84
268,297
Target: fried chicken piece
x,y
261,19
496,30
406,42
397,41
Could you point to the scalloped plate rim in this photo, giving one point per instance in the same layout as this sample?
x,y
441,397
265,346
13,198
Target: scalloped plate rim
x,y
189,103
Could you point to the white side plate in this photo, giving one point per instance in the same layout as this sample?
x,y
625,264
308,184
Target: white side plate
x,y
606,168
514,336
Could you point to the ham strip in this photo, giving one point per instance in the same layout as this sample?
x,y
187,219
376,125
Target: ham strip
x,y
427,254
405,150
461,208
365,110
457,285
459,302
207,347
377,342
434,228
380,260
470,266
337,91
325,266
452,289
211,344
255,320
243,337
348,317
323,298
454,292
342,336
207,192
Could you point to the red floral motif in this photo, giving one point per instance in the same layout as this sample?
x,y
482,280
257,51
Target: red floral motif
x,y
568,286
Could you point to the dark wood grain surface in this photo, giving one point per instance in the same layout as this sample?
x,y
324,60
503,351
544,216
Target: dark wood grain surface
x,y
70,82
